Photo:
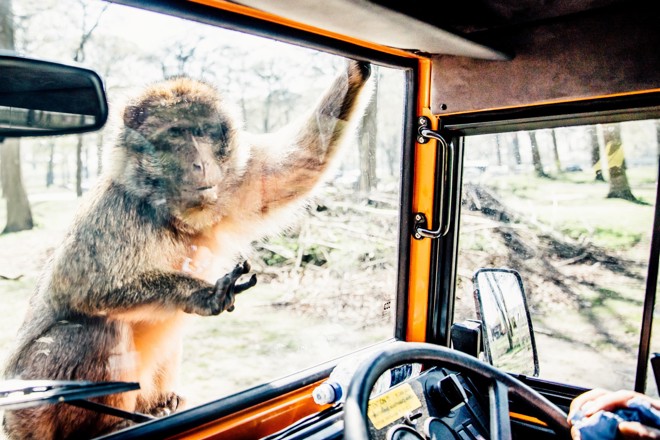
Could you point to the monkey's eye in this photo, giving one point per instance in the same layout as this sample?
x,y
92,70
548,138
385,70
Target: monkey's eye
x,y
217,134
176,131
197,131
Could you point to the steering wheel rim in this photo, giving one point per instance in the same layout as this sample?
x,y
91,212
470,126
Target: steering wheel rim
x,y
500,384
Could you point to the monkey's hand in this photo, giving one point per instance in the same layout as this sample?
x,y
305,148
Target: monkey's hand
x,y
221,297
359,71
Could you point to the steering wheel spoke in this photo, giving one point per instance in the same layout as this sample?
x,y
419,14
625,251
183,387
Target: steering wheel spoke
x,y
498,402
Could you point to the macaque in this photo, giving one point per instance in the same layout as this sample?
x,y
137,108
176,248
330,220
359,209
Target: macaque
x,y
184,181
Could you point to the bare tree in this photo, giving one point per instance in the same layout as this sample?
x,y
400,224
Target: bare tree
x,y
595,155
616,164
555,150
19,214
498,147
536,155
515,142
280,101
176,61
367,143
90,21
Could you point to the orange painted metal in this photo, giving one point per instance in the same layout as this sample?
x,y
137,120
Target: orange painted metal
x,y
259,420
529,419
422,201
552,102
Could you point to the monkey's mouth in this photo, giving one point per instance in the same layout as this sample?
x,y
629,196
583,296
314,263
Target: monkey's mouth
x,y
202,196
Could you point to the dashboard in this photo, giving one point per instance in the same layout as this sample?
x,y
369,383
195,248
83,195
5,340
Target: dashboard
x,y
437,404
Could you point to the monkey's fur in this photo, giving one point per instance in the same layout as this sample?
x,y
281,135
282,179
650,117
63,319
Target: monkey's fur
x,y
110,303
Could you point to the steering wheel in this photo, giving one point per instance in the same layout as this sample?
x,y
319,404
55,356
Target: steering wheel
x,y
499,386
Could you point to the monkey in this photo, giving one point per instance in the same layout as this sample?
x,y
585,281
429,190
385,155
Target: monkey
x,y
184,177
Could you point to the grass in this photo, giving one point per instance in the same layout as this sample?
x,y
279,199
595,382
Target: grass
x,y
584,213
587,314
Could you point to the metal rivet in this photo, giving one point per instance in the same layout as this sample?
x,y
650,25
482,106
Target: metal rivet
x,y
418,218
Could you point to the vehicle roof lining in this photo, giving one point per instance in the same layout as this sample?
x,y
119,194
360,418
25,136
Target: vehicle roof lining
x,y
611,50
356,19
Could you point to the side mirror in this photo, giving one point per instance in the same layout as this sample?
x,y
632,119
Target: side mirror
x,y
508,335
41,98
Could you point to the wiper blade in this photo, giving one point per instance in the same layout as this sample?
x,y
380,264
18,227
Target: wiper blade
x,y
18,394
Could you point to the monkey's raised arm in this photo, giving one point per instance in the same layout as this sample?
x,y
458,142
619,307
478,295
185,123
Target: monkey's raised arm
x,y
288,165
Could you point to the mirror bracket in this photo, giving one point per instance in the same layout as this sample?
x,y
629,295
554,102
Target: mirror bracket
x,y
466,337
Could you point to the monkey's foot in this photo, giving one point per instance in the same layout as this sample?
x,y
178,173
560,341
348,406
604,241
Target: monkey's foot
x,y
221,297
168,404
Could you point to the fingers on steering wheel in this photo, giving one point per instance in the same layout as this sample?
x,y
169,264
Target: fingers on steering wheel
x,y
637,430
582,399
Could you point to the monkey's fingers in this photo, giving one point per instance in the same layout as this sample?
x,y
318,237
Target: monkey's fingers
x,y
238,270
238,288
360,68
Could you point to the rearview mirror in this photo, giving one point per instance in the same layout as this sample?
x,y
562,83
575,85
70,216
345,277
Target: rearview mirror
x,y
507,327
40,98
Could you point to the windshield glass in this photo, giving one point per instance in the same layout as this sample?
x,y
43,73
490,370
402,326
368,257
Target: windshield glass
x,y
127,239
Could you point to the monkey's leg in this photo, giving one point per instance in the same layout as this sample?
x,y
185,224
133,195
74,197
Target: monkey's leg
x,y
221,297
168,403
93,349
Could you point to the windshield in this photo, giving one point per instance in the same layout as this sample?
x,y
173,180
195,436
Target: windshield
x,y
136,236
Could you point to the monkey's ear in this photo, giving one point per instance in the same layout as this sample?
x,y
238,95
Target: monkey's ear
x,y
134,116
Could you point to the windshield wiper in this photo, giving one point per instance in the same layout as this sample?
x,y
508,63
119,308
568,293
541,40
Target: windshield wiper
x,y
18,394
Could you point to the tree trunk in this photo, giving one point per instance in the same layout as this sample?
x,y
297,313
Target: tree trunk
x,y
50,172
595,155
498,145
555,150
536,156
79,166
19,215
516,149
616,164
367,143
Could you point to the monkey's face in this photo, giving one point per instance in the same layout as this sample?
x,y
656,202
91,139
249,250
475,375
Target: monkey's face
x,y
181,144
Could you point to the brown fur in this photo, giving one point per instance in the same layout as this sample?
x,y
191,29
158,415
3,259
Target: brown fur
x,y
184,182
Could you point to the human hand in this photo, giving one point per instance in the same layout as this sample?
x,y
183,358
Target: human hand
x,y
591,402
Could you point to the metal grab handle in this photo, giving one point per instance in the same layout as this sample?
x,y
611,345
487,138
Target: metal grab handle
x,y
447,179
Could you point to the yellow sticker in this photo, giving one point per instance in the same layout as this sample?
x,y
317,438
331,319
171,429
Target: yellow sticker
x,y
392,405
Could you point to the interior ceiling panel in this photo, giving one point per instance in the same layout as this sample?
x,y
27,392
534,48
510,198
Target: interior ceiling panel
x,y
372,22
426,26
468,16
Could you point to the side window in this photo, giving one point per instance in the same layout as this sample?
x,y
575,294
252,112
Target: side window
x,y
326,284
571,209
